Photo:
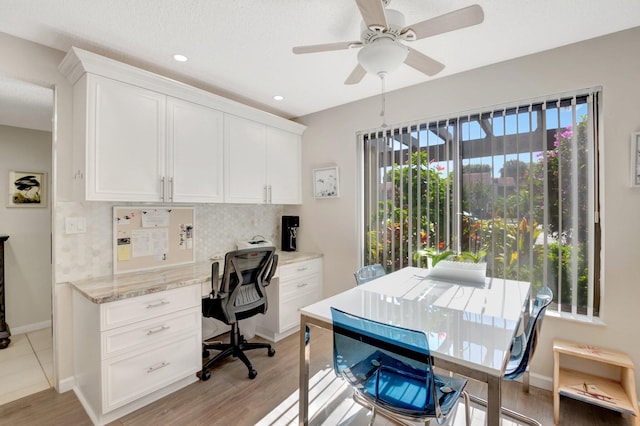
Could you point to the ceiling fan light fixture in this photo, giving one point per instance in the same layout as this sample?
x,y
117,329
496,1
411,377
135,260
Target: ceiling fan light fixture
x,y
382,56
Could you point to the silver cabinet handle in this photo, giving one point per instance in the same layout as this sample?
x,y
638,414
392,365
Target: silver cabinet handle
x,y
157,366
265,198
270,194
302,285
171,189
157,329
162,186
157,304
304,268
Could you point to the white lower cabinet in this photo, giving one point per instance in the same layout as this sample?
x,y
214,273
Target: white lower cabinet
x,y
131,352
299,284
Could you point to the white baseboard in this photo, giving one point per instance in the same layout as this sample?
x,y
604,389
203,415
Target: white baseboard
x,y
540,381
31,327
65,385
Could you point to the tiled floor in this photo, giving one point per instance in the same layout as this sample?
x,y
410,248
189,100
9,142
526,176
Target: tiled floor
x,y
26,365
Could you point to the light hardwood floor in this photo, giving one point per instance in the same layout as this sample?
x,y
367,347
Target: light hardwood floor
x,y
230,398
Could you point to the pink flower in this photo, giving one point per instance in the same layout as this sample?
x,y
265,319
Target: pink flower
x,y
440,168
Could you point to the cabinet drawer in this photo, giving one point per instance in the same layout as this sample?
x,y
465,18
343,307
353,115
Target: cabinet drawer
x,y
150,332
289,314
124,312
128,378
292,270
299,285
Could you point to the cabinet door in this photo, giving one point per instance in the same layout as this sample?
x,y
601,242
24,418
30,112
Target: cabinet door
x,y
125,142
283,166
194,134
245,161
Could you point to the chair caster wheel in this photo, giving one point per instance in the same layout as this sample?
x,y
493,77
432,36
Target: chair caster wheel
x,y
205,354
204,376
252,374
271,352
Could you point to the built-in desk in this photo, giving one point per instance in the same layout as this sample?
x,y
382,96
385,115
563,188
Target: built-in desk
x,y
137,336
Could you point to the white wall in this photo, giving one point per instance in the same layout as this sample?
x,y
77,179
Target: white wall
x,y
28,250
330,226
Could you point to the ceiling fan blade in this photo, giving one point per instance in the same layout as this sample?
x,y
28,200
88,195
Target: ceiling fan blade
x,y
423,63
372,12
325,47
356,75
455,20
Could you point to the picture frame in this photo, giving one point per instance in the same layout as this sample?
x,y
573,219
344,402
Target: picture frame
x,y
326,182
635,160
27,189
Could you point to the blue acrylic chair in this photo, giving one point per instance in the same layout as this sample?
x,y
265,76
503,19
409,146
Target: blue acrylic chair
x,y
369,273
523,347
363,275
391,371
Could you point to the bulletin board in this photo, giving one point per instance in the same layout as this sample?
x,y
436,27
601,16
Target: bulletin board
x,y
152,237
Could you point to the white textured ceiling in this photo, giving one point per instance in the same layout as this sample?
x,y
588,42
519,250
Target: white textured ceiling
x,y
25,105
242,48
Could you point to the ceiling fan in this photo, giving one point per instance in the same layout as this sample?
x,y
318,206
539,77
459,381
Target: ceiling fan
x,y
383,32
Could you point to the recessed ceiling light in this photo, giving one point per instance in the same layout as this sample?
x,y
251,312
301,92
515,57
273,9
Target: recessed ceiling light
x,y
278,97
180,58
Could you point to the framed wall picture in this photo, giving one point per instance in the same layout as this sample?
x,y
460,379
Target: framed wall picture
x,y
326,183
635,159
27,189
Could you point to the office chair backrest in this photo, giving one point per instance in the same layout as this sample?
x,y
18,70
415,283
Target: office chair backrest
x,y
390,366
524,345
369,273
246,274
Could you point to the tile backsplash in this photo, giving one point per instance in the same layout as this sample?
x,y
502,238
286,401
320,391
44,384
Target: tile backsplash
x,y
217,228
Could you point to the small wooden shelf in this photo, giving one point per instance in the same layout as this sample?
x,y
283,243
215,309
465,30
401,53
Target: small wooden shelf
x,y
618,395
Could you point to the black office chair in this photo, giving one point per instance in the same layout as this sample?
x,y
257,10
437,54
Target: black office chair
x,y
241,295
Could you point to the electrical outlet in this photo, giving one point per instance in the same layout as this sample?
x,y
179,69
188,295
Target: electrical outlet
x,y
75,225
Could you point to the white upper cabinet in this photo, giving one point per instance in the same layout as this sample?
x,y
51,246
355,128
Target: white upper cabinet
x,y
262,163
284,166
195,159
139,136
124,129
245,166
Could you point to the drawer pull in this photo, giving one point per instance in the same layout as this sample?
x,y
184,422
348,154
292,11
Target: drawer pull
x,y
157,304
302,285
157,329
304,268
157,367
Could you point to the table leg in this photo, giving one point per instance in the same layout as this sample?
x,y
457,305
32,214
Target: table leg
x,y
303,398
494,401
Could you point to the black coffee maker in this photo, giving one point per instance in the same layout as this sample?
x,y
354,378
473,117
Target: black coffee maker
x,y
290,226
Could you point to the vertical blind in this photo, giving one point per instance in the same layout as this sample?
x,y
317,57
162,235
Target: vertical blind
x,y
517,183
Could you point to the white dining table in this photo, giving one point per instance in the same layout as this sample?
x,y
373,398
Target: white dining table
x,y
469,326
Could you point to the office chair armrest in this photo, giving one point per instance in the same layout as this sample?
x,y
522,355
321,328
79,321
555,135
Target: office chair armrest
x,y
272,271
215,280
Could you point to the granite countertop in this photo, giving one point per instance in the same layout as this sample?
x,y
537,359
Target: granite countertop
x,y
122,286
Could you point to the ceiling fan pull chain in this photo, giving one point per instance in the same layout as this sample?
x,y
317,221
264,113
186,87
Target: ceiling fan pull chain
x,y
383,113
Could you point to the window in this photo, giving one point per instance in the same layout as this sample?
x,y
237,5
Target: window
x,y
518,183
